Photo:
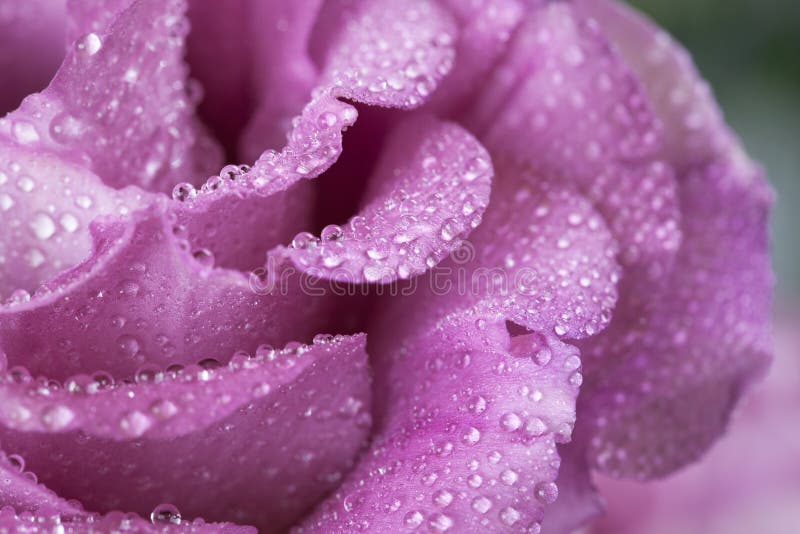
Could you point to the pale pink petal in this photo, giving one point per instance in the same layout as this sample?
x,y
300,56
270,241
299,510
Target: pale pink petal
x,y
564,103
430,190
663,384
133,124
467,440
146,297
257,440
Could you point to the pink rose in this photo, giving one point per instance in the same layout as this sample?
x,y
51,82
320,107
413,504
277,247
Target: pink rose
x,y
563,211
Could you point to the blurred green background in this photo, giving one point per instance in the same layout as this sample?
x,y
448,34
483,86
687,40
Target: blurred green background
x,y
750,52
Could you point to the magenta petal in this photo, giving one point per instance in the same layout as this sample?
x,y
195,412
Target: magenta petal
x,y
429,191
48,521
468,439
145,297
134,124
563,102
544,256
389,53
46,205
259,440
694,127
664,384
484,31
31,47
20,490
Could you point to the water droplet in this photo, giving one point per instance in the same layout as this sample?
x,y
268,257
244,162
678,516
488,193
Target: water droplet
x,y
509,515
57,417
332,232
89,44
547,492
128,345
509,477
43,226
165,514
543,356
535,426
481,505
476,404
440,523
442,498
304,240
25,132
134,424
471,436
510,422
413,519
183,192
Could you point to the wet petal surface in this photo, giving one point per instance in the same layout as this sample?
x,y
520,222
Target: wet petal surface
x,y
243,431
467,440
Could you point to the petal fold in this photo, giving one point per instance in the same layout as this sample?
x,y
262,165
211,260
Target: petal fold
x,y
258,439
467,439
429,191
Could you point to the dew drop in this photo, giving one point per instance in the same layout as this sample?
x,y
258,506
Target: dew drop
x,y
165,514
89,44
183,192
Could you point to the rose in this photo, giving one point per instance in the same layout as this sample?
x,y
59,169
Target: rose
x,y
623,254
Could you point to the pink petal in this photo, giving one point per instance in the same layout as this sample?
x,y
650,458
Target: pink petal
x,y
695,130
553,253
46,205
467,441
430,191
663,386
387,53
134,125
315,139
146,297
563,102
37,28
485,28
19,489
665,381
258,440
48,521
746,483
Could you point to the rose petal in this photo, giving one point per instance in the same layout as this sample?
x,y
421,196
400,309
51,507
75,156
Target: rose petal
x,y
20,489
666,380
37,27
46,205
145,297
578,501
694,127
485,27
49,521
467,441
544,256
134,125
276,432
565,103
315,140
416,213
387,53
663,386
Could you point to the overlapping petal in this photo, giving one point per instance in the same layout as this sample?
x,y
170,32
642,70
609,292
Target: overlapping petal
x,y
257,440
429,191
130,121
664,382
563,102
467,440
